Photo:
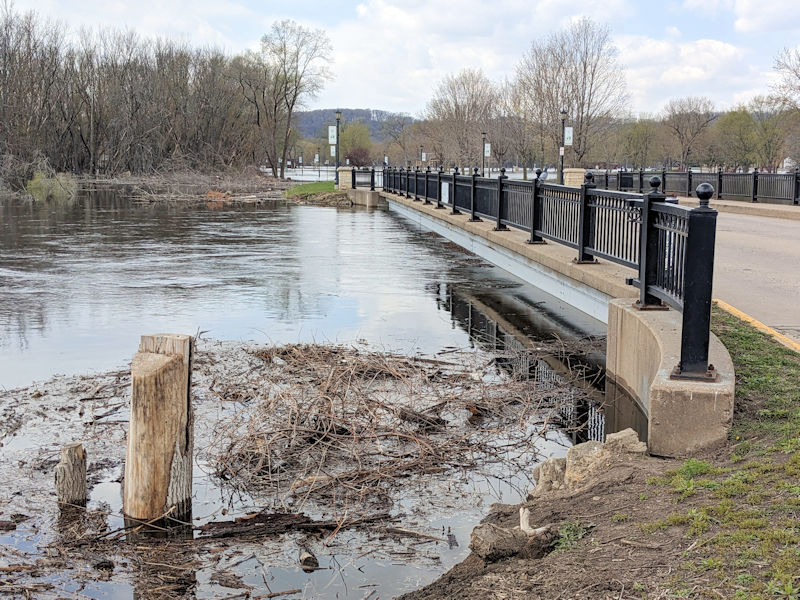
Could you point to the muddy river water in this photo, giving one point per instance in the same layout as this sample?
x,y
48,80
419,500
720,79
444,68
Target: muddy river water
x,y
80,282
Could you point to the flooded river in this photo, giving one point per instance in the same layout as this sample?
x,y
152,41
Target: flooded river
x,y
80,282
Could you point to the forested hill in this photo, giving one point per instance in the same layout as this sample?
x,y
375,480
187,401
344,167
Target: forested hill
x,y
313,123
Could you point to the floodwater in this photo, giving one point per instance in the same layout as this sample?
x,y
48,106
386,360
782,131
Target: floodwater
x,y
80,282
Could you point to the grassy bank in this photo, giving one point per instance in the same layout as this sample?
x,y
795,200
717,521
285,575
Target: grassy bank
x,y
307,189
741,507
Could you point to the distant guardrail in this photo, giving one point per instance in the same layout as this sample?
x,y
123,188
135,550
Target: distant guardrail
x,y
752,186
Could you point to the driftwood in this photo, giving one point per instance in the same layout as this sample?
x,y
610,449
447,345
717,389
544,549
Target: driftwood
x,y
70,476
268,523
308,562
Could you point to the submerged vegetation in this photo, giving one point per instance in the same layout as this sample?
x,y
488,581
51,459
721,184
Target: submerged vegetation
x,y
59,186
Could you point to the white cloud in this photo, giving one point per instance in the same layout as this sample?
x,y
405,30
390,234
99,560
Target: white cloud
x,y
752,16
758,16
659,70
391,55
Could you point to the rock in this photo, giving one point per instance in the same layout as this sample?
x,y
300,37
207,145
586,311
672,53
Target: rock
x,y
582,461
549,475
492,542
625,441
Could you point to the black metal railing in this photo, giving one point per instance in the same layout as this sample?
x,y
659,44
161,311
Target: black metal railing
x,y
369,178
671,246
754,186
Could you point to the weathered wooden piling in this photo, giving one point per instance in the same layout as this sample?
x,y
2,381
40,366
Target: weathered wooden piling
x,y
158,463
70,476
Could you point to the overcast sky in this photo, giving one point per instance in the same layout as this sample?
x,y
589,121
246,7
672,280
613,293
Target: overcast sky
x,y
389,54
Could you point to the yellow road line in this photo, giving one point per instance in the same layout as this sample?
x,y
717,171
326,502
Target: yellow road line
x,y
779,337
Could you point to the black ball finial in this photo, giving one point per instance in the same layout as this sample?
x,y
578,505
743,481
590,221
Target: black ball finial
x,y
455,171
502,171
704,192
588,177
475,170
655,182
538,173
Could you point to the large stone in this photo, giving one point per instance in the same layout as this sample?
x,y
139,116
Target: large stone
x,y
492,542
583,460
549,476
625,442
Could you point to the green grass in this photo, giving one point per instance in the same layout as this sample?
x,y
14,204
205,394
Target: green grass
x,y
744,515
307,189
767,386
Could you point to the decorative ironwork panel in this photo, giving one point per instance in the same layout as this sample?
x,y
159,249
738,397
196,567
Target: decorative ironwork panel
x,y
615,220
560,207
671,223
518,200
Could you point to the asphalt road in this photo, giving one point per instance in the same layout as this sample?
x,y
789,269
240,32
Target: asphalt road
x,y
757,269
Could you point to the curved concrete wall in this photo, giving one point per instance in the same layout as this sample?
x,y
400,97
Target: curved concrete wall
x,y
683,416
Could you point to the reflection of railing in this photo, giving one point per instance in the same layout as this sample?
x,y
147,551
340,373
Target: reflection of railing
x,y
671,246
581,413
751,186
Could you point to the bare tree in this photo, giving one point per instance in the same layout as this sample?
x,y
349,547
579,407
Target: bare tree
x,y
463,105
396,128
576,70
734,133
770,127
298,56
687,118
639,142
788,66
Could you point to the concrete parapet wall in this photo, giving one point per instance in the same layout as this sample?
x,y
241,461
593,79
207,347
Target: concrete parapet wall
x,y
683,416
574,177
345,178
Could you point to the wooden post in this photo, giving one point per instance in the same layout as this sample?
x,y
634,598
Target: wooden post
x,y
158,463
70,476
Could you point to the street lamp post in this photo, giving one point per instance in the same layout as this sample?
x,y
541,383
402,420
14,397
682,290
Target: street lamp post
x,y
421,154
483,154
319,165
338,119
563,116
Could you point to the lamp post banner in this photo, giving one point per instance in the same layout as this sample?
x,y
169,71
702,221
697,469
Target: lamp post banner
x,y
333,150
332,134
487,150
568,136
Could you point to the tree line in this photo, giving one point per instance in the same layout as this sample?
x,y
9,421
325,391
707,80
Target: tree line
x,y
107,102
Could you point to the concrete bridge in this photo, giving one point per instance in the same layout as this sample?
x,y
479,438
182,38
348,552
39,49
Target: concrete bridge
x,y
643,346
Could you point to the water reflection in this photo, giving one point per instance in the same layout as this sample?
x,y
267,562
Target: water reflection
x,y
505,325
